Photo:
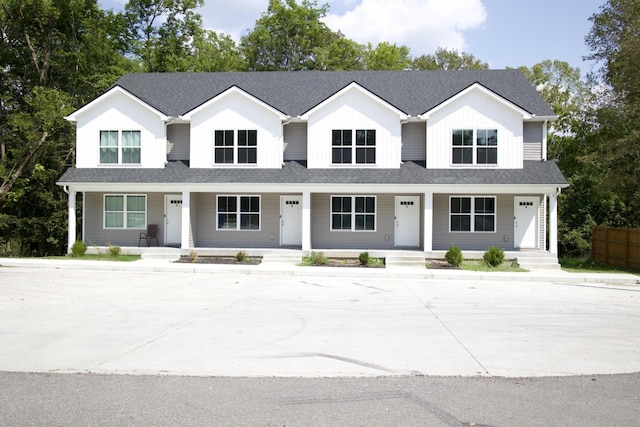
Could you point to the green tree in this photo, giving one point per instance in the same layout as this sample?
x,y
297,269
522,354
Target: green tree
x,y
161,32
287,37
386,56
341,54
448,59
55,56
216,52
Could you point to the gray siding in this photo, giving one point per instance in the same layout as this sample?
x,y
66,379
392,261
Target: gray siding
x,y
323,238
532,139
295,136
414,141
208,237
443,239
178,142
97,235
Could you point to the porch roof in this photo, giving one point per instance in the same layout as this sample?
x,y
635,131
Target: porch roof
x,y
293,172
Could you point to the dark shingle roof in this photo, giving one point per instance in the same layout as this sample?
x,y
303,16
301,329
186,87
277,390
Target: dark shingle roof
x,y
533,173
294,93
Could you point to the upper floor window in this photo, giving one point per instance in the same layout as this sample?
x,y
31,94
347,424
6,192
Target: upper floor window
x,y
125,211
227,151
120,147
475,146
472,214
342,147
353,213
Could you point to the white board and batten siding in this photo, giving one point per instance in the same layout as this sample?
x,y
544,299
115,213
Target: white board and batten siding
x,y
118,111
414,141
474,110
178,142
354,110
235,111
532,140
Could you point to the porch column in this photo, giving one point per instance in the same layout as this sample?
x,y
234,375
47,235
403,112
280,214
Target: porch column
x,y
428,222
186,220
553,222
306,221
71,235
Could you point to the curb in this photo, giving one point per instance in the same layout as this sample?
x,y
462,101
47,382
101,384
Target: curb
x,y
155,266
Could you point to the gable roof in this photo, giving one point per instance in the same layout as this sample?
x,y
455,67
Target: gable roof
x,y
294,93
114,90
230,91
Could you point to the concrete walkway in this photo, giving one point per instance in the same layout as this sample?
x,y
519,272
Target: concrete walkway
x,y
291,269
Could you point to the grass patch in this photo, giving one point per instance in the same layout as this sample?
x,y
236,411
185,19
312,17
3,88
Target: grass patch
x,y
479,265
584,265
100,257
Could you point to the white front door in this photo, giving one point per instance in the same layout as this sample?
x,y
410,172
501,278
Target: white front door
x,y
290,220
525,222
173,219
408,221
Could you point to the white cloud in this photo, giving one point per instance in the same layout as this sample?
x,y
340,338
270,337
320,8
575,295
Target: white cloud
x,y
423,25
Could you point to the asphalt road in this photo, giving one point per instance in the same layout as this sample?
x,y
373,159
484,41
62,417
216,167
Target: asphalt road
x,y
137,400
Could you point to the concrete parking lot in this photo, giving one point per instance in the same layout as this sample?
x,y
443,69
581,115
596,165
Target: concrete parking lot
x,y
54,320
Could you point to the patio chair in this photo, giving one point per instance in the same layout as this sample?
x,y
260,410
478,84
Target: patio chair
x,y
149,235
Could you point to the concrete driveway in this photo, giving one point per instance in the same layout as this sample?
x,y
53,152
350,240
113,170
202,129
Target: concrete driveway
x,y
250,325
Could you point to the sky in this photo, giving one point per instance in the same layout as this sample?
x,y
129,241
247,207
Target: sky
x,y
503,33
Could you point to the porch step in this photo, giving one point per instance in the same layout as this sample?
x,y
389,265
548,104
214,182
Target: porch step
x,y
289,257
405,261
537,261
171,254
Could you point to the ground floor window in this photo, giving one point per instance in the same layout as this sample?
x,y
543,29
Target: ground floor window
x,y
353,213
125,211
472,214
238,213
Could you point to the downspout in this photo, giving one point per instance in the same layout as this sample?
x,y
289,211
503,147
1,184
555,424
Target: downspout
x,y
544,139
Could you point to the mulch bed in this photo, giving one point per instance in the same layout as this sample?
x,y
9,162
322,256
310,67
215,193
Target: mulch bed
x,y
440,264
204,259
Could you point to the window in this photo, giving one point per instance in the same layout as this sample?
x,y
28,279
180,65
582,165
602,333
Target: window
x,y
353,213
238,212
226,151
472,214
125,211
365,146
247,146
224,146
484,151
342,148
120,147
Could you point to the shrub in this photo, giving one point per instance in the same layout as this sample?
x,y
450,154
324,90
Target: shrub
x,y
241,256
114,251
454,256
364,258
493,256
315,258
193,256
78,248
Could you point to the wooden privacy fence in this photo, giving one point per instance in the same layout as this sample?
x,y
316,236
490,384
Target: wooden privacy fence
x,y
616,246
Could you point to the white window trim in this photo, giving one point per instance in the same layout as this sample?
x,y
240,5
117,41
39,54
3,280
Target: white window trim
x,y
474,160
354,148
238,213
472,213
236,146
120,147
353,214
124,211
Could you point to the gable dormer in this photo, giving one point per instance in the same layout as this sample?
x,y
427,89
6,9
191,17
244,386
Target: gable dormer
x,y
476,128
354,128
118,129
236,129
